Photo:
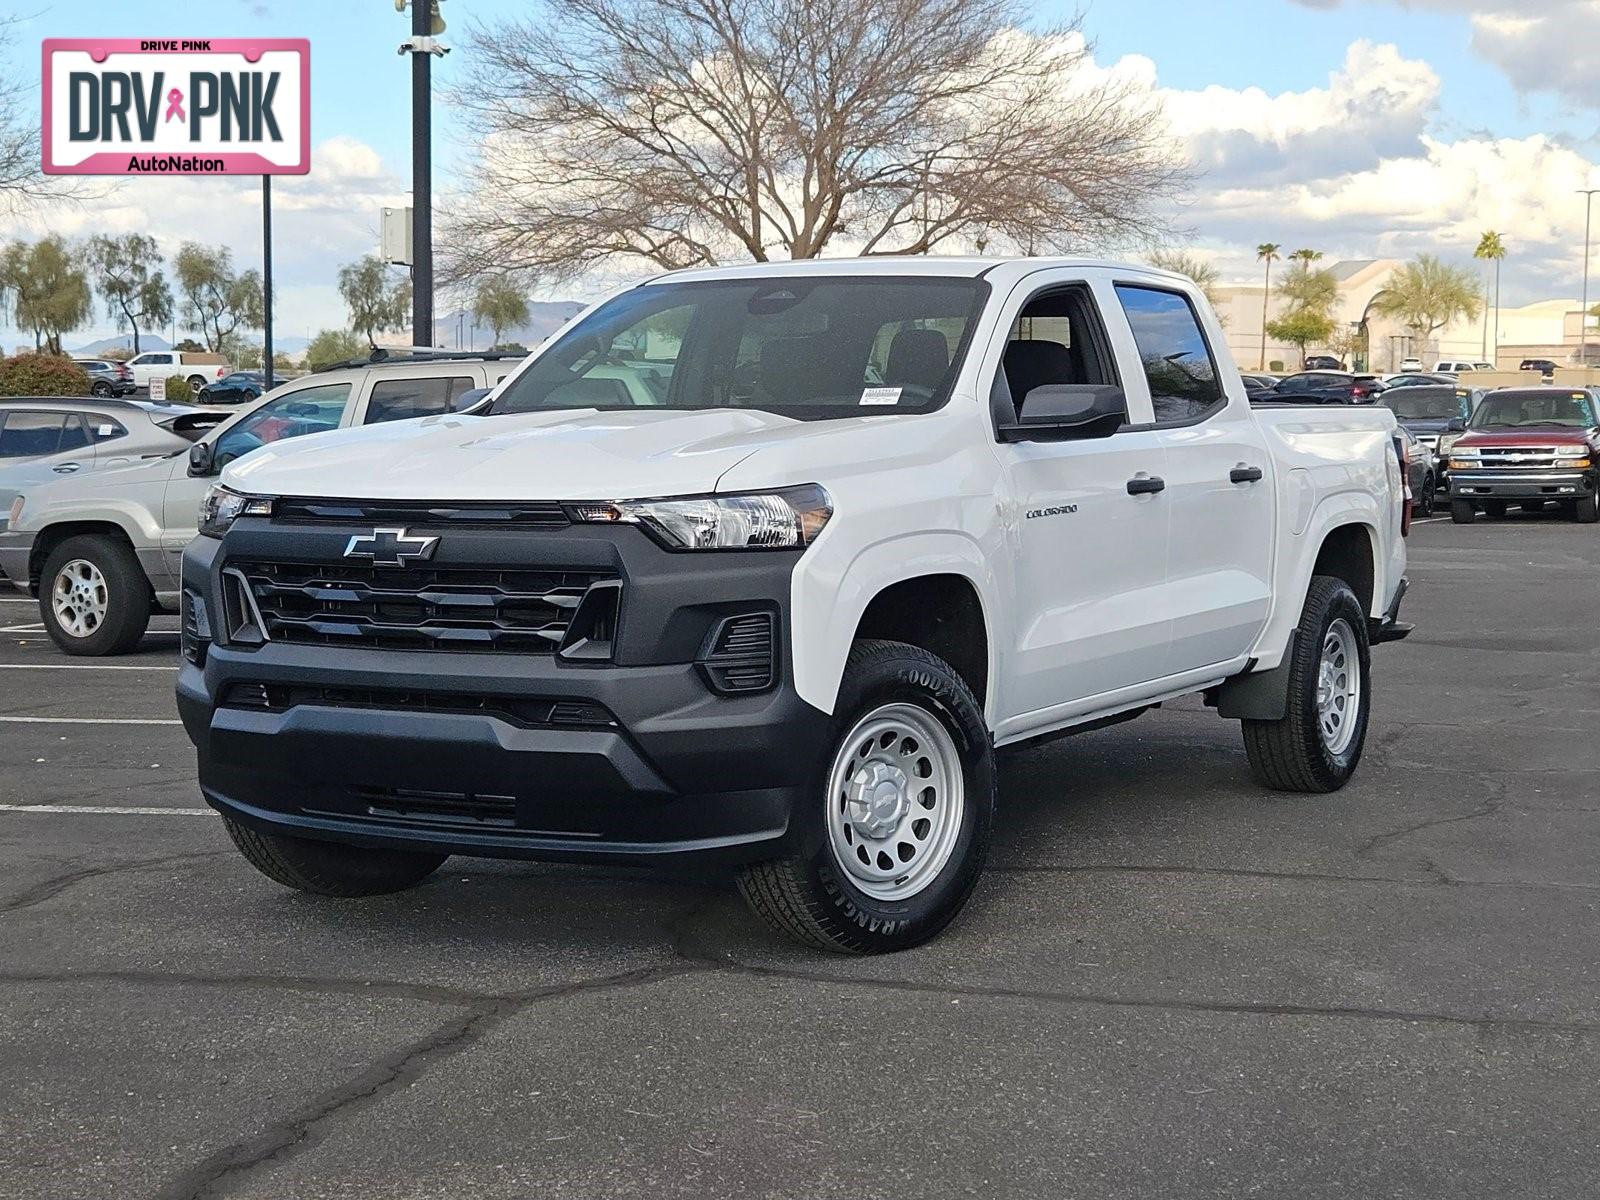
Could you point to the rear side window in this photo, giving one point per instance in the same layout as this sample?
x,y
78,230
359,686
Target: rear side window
x,y
404,399
1177,361
104,429
30,434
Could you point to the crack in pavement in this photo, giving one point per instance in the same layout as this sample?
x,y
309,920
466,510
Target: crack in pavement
x,y
300,1129
50,888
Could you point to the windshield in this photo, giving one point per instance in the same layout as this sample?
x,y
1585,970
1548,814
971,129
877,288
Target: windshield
x,y
809,348
1505,410
1422,403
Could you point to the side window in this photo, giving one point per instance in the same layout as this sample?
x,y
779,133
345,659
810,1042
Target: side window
x,y
309,410
404,399
30,434
103,428
74,433
1177,361
156,360
1056,338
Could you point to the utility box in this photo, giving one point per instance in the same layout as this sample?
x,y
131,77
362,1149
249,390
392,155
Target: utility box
x,y
395,242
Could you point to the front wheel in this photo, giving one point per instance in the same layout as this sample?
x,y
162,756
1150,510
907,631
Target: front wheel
x,y
1587,510
1316,745
1462,512
1423,503
894,835
94,598
330,868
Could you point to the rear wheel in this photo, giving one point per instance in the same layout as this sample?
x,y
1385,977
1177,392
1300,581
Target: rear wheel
x,y
94,598
1422,505
895,835
329,868
196,382
1316,745
1462,512
1587,510
101,388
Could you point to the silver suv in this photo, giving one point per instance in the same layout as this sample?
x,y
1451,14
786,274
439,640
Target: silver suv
x,y
102,552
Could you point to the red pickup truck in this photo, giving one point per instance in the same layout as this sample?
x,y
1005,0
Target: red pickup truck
x,y
1530,446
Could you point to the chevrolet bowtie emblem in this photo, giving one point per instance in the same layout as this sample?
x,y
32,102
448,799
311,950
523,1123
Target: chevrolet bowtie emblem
x,y
390,547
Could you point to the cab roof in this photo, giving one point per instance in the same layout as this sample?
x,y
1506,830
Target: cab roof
x,y
930,265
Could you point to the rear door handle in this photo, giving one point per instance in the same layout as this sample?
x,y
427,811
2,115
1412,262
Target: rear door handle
x,y
1244,474
66,468
1146,485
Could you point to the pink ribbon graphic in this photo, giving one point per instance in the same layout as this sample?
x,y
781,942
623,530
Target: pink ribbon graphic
x,y
175,105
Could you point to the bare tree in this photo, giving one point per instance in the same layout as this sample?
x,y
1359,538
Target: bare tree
x,y
684,132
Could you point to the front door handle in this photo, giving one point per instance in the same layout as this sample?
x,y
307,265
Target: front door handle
x,y
1146,485
1244,474
66,468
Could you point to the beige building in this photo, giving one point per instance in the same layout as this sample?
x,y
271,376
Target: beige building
x,y
1545,329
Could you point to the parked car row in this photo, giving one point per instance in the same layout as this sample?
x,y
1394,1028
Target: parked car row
x,y
101,549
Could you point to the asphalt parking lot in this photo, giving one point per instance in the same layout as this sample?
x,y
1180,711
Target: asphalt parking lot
x,y
1171,983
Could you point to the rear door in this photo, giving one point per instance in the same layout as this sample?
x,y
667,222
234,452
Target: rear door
x,y
59,440
1219,483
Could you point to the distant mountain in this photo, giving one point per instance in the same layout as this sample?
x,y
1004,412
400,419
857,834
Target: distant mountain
x,y
455,329
147,341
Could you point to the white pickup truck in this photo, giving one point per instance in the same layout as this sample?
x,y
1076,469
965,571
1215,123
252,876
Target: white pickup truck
x,y
762,565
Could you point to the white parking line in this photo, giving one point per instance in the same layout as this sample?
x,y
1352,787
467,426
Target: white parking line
x,y
35,628
117,810
79,667
91,721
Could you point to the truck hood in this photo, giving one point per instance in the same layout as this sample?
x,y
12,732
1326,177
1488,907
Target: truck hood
x,y
1426,424
566,455
1527,435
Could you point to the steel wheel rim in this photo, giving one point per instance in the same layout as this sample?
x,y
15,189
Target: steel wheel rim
x,y
895,802
79,599
1338,687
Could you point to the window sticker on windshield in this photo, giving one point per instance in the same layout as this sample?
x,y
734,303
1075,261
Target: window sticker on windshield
x,y
880,396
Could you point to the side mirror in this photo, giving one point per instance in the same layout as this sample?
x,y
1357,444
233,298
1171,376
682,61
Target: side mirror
x,y
1058,412
1457,424
200,459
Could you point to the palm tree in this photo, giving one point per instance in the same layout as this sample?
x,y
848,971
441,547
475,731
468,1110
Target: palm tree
x,y
1266,252
1305,256
1492,248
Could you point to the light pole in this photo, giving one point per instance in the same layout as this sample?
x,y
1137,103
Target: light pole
x,y
1583,311
422,45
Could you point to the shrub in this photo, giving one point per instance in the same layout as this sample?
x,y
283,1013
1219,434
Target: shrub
x,y
178,387
42,375
1275,365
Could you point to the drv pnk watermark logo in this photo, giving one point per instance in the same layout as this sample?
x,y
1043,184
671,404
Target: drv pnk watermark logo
x,y
171,106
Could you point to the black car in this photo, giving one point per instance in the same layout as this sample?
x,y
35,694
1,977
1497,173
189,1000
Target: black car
x,y
241,387
1544,366
1415,379
1319,387
107,377
1258,380
1429,412
1323,362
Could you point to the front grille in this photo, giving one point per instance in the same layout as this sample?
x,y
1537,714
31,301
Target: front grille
x,y
1518,458
465,514
516,710
416,608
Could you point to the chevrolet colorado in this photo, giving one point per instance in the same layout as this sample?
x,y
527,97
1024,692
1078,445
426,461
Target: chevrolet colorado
x,y
761,566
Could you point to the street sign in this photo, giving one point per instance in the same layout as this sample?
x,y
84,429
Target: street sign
x,y
209,106
158,387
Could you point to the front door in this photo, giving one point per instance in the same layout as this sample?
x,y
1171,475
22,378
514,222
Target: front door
x,y
1090,561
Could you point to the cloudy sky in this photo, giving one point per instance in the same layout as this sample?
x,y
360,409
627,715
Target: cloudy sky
x,y
1357,128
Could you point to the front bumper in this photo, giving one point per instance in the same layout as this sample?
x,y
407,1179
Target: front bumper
x,y
1480,485
437,751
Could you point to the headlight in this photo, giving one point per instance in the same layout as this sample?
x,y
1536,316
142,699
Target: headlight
x,y
1447,440
1464,464
779,520
1572,456
222,506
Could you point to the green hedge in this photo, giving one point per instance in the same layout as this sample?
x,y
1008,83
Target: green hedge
x,y
178,388
42,375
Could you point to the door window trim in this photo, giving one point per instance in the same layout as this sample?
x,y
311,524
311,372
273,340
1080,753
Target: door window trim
x,y
1223,402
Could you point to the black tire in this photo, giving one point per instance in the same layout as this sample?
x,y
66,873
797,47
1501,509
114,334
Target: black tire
x,y
127,598
101,388
1587,510
196,382
1462,512
808,895
1291,755
1495,509
331,868
1422,505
